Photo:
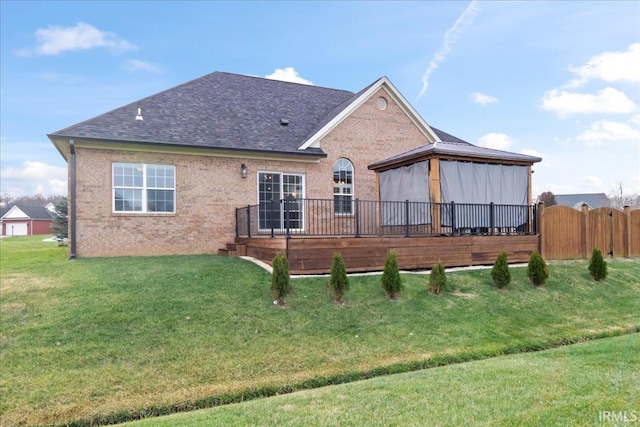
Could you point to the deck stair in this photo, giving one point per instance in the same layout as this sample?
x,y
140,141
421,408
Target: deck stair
x,y
233,250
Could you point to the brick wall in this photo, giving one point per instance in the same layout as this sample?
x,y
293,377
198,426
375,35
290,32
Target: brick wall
x,y
208,189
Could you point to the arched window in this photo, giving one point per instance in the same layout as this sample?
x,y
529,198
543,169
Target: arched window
x,y
343,187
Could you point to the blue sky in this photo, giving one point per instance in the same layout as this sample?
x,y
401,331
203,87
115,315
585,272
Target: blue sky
x,y
560,80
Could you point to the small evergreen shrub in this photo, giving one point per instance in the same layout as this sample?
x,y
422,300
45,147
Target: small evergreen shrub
x,y
338,281
500,272
597,265
437,279
391,282
537,270
280,286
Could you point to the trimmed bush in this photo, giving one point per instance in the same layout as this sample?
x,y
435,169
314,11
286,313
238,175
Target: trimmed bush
x,y
437,279
338,282
597,265
500,273
537,270
280,286
391,282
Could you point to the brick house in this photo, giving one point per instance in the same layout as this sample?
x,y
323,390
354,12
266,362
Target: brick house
x,y
164,175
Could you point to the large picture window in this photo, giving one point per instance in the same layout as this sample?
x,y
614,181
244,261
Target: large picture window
x,y
144,188
343,187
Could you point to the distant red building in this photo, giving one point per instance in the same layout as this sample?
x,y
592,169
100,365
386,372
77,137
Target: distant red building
x,y
26,220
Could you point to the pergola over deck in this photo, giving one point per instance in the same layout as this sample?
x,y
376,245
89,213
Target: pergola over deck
x,y
449,164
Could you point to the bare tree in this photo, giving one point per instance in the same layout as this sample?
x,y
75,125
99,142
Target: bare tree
x,y
621,198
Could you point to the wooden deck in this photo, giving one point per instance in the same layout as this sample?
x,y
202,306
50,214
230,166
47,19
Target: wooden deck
x,y
313,255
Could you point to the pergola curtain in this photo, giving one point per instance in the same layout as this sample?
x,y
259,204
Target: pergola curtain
x,y
482,183
401,184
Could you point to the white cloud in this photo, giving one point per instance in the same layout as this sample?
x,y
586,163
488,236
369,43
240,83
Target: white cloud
x,y
54,40
497,141
481,98
610,67
530,152
607,101
34,177
450,38
288,74
34,170
593,182
606,130
137,65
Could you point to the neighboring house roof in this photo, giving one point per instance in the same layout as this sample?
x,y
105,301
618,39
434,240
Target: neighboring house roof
x,y
235,112
25,212
454,146
593,200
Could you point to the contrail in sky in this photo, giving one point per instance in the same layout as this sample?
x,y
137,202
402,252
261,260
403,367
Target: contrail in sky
x,y
450,37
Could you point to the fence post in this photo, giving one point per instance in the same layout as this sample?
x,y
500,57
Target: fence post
x,y
249,220
540,225
453,218
491,218
406,219
585,240
626,237
357,212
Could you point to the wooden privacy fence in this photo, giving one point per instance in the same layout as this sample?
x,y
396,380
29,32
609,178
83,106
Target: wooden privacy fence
x,y
567,233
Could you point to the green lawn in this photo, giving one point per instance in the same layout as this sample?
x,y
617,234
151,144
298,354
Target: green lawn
x,y
592,383
106,340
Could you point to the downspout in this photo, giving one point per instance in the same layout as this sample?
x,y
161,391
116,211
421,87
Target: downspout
x,y
72,199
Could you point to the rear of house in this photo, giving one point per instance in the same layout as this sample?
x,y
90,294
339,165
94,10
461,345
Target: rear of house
x,y
165,174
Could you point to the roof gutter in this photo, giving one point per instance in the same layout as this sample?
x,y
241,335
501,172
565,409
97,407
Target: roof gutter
x,y
72,199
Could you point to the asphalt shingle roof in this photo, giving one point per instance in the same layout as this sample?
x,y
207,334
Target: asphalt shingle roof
x,y
32,212
455,146
220,110
594,200
231,111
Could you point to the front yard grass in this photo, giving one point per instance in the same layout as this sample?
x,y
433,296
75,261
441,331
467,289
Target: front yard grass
x,y
108,340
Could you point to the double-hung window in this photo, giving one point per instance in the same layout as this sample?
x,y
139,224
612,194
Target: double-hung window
x,y
144,188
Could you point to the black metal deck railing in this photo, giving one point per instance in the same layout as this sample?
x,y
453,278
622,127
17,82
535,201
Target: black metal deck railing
x,y
322,217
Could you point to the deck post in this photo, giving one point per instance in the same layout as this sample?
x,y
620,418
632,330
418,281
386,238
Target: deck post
x,y
491,218
357,212
249,220
287,218
237,231
453,219
406,218
273,202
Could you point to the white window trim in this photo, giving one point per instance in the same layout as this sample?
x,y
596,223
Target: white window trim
x,y
304,189
144,189
353,188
